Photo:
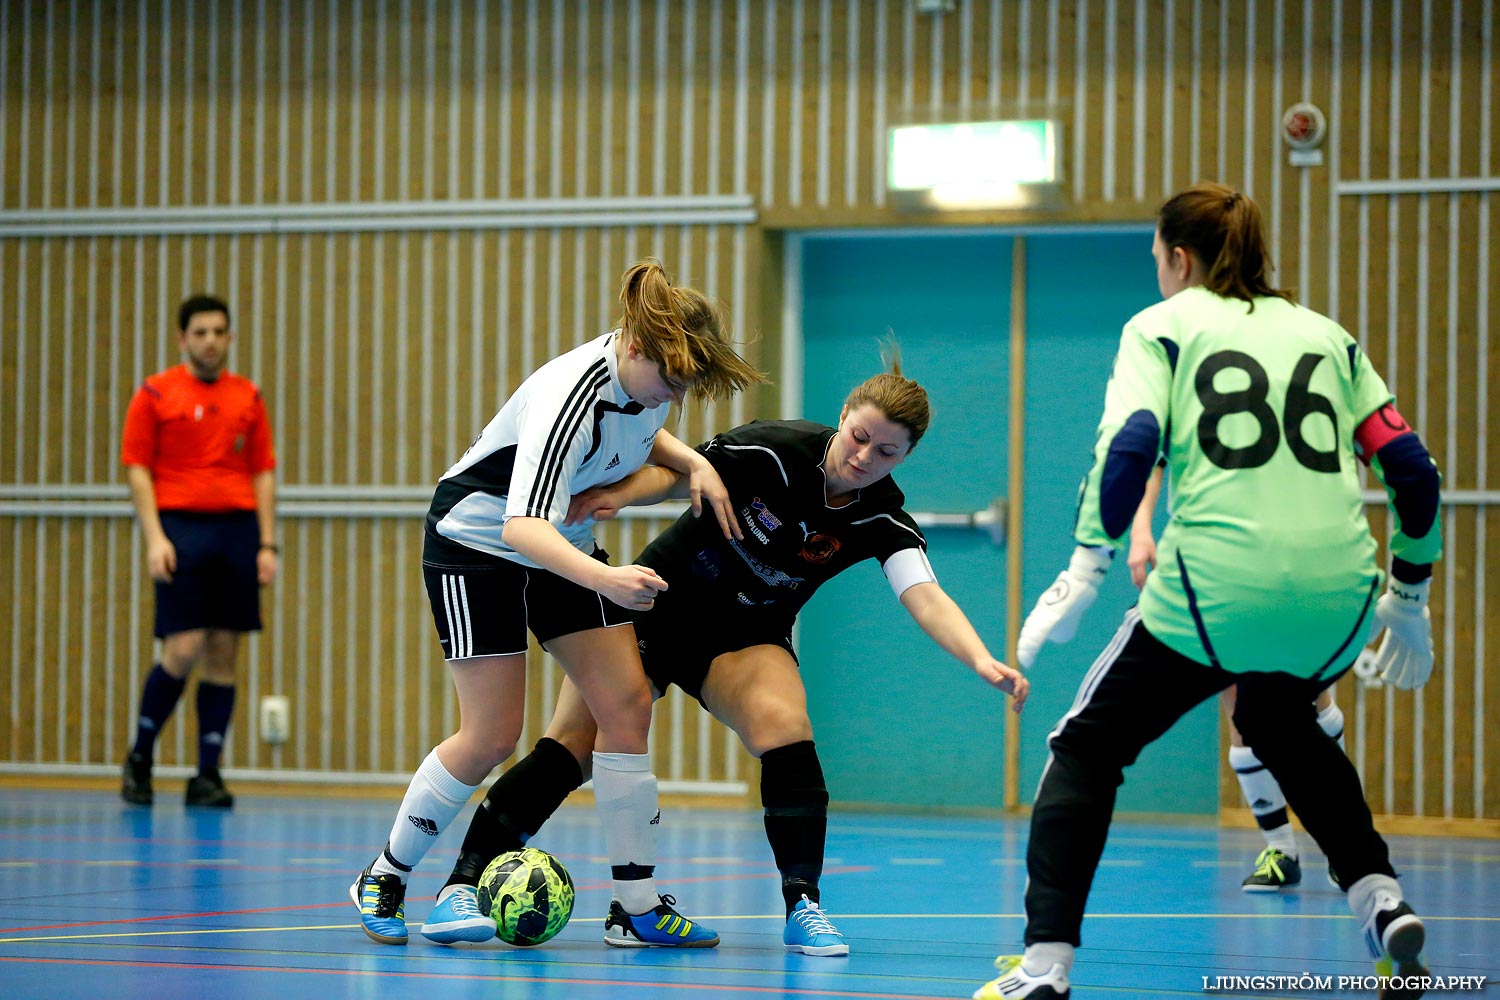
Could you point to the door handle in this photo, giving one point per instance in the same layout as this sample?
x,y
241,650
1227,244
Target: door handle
x,y
991,520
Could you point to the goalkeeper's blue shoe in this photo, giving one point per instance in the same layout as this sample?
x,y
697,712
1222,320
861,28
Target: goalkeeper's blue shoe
x,y
661,927
456,918
809,931
1015,983
381,900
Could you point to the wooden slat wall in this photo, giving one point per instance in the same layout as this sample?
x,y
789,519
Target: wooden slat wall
x,y
382,353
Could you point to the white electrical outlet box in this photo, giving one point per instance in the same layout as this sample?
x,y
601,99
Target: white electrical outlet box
x,y
275,718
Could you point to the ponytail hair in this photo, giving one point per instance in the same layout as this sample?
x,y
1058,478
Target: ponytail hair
x,y
683,331
1223,228
901,399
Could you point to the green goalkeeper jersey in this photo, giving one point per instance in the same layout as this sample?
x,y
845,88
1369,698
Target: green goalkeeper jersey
x,y
1267,562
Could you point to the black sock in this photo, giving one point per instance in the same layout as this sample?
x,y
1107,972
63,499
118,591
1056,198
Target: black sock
x,y
796,801
215,707
159,697
515,808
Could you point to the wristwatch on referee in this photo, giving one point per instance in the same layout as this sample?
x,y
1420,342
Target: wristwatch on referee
x,y
270,547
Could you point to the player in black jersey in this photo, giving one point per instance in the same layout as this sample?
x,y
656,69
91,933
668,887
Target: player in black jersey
x,y
809,501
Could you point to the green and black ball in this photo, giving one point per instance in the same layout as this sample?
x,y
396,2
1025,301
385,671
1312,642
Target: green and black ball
x,y
529,895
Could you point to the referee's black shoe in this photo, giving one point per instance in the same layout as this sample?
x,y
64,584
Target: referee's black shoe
x,y
206,788
135,785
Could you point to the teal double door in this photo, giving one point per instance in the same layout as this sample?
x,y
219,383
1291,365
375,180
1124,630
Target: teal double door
x,y
898,722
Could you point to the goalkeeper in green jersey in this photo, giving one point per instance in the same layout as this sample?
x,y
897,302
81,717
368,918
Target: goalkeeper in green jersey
x,y
1279,865
1267,577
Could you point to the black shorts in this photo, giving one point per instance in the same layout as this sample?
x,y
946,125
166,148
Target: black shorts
x,y
215,584
680,638
485,607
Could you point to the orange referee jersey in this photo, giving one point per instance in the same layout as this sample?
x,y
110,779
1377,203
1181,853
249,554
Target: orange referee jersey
x,y
202,441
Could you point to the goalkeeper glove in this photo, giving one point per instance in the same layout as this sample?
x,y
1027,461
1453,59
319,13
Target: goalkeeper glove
x,y
1055,617
1404,659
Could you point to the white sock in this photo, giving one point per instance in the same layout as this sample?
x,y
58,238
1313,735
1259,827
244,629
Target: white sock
x,y
1372,893
625,796
1283,839
433,800
1263,795
1043,955
1331,719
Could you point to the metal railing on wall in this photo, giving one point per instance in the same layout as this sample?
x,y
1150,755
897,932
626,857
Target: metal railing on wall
x,y
389,216
76,512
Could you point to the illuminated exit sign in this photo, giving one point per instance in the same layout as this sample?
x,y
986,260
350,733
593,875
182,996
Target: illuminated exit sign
x,y
974,164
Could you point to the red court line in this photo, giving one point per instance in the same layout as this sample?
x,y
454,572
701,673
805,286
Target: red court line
x,y
416,899
284,846
178,916
205,864
540,980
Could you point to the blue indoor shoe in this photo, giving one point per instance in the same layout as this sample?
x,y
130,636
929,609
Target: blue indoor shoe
x,y
456,918
381,900
809,931
662,927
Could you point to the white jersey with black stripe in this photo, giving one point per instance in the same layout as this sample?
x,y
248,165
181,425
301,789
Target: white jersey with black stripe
x,y
569,426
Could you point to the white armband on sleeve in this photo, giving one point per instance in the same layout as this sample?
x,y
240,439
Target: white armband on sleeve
x,y
907,568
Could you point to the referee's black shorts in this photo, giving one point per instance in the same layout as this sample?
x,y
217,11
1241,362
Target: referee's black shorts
x,y
485,606
215,584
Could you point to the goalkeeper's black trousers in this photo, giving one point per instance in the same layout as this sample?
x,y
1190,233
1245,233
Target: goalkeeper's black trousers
x,y
1133,694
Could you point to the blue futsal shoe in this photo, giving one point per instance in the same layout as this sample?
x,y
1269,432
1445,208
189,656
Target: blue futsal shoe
x,y
809,931
456,918
381,900
662,927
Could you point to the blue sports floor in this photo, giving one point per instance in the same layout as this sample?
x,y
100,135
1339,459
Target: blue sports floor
x,y
103,900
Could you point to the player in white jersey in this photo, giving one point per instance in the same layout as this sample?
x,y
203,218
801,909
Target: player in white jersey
x,y
499,561
1268,580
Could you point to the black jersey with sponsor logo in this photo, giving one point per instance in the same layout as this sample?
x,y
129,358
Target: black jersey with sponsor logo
x,y
794,541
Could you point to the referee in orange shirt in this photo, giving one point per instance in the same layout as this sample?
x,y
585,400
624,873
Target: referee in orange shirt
x,y
197,452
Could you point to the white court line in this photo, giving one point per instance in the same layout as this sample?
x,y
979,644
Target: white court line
x,y
722,917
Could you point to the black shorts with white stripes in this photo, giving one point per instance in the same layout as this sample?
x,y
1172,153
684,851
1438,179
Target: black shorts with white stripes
x,y
485,608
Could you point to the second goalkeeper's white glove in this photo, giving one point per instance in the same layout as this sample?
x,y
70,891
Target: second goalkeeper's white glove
x,y
1055,617
1404,657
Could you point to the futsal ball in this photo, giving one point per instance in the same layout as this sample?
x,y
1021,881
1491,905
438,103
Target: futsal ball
x,y
528,894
